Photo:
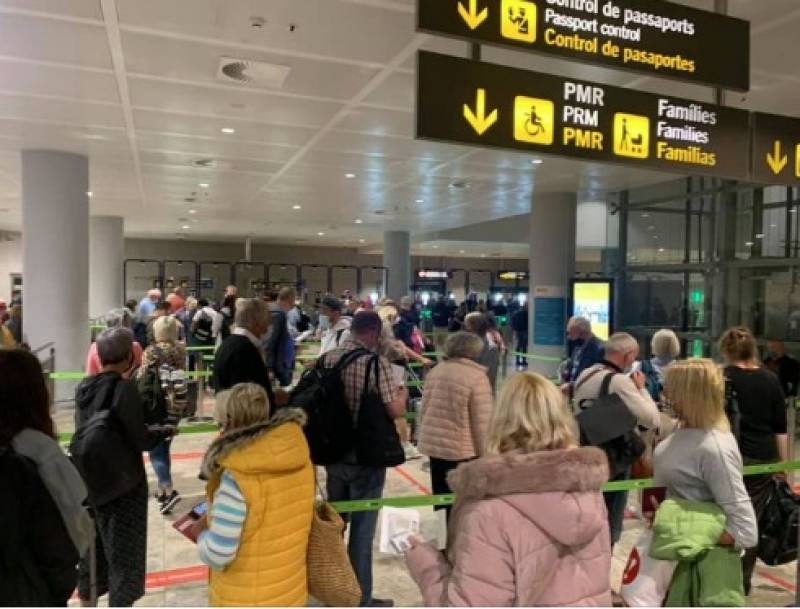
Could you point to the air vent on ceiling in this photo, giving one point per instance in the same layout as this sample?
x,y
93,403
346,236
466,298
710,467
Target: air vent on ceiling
x,y
250,72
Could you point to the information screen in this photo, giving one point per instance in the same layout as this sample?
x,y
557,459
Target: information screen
x,y
594,301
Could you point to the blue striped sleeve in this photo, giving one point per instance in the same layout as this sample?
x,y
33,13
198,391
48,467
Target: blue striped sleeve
x,y
219,544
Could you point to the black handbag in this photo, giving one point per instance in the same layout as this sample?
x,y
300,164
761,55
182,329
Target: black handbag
x,y
609,424
777,527
377,441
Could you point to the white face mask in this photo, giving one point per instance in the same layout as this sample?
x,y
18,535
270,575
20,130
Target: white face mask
x,y
324,322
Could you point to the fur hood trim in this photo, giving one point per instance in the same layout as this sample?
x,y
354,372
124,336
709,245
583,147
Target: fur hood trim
x,y
574,470
239,438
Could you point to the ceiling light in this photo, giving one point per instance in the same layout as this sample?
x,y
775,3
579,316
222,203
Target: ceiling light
x,y
436,247
89,194
461,252
320,234
186,227
349,176
228,130
203,185
420,201
793,210
749,244
773,226
295,207
537,161
661,250
192,211
651,228
645,215
359,221
483,255
759,235
362,240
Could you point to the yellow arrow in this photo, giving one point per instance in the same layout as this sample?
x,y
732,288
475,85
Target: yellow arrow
x,y
478,119
777,161
472,17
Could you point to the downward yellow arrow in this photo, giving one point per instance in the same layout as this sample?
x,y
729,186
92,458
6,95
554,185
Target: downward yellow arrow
x,y
472,17
478,119
777,161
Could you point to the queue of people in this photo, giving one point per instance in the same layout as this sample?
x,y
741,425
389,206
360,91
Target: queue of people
x,y
530,524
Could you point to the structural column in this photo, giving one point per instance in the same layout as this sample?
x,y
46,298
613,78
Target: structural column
x,y
551,265
397,258
55,256
106,255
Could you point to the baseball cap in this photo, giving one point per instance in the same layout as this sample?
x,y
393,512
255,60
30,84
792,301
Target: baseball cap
x,y
331,302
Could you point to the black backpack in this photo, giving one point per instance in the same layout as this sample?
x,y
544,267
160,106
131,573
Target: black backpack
x,y
609,424
377,441
330,430
154,398
201,331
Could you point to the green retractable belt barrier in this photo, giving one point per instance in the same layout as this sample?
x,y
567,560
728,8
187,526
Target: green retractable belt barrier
x,y
201,348
78,376
540,358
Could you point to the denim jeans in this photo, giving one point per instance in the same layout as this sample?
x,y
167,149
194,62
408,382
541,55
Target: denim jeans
x,y
159,459
615,504
349,482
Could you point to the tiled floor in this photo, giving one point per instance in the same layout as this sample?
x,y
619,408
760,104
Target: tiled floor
x,y
176,578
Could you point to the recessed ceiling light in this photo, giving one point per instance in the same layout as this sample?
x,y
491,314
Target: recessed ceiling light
x,y
651,228
462,252
749,244
297,207
661,250
537,161
793,210
436,247
186,227
320,234
655,236
89,194
759,235
192,211
359,221
349,176
483,255
645,215
773,226
228,130
203,185
362,240
420,201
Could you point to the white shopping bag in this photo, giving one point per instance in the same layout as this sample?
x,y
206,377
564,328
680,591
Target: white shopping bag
x,y
396,525
646,580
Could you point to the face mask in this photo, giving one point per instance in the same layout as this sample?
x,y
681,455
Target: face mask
x,y
324,322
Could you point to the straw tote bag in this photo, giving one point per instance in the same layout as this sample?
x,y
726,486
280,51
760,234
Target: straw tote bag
x,y
331,579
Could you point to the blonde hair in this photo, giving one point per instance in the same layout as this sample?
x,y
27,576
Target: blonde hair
x,y
531,415
388,313
245,404
165,330
665,344
696,391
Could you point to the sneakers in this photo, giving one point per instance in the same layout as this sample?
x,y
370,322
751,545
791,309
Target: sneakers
x,y
168,502
411,451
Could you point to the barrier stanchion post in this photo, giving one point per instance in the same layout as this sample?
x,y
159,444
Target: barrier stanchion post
x,y
791,425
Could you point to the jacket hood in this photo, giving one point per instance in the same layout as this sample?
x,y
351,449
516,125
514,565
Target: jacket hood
x,y
93,388
276,443
572,512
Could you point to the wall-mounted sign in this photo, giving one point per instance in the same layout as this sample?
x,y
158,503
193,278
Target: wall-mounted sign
x,y
471,102
593,299
432,274
776,149
650,36
513,275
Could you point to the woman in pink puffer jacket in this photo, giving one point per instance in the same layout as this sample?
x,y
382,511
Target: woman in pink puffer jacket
x,y
529,526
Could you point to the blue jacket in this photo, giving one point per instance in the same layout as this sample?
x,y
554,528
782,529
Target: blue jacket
x,y
585,356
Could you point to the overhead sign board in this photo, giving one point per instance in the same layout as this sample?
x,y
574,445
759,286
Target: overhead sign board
x,y
776,149
513,275
650,36
471,102
432,274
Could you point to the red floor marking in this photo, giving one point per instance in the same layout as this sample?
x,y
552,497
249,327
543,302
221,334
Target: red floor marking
x,y
182,456
776,580
414,482
163,579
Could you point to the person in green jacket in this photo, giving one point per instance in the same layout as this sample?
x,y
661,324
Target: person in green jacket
x,y
700,463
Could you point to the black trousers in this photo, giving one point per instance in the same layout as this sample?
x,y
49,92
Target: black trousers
x,y
439,470
759,488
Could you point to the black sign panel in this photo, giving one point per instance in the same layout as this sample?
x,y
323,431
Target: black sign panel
x,y
650,36
776,149
472,102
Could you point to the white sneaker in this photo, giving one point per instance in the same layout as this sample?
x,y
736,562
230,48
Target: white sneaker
x,y
411,451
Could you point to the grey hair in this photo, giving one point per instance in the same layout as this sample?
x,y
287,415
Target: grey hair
x,y
463,344
118,318
665,344
476,322
251,312
114,346
622,343
580,323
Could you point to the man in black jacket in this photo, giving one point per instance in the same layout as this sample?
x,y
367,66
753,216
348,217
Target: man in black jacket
x,y
279,344
241,357
109,457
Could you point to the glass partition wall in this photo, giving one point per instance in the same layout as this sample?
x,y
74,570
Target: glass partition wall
x,y
698,255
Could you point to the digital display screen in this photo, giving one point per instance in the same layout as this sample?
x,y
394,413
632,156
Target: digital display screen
x,y
594,301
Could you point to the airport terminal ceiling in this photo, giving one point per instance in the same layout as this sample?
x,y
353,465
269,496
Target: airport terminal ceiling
x,y
319,148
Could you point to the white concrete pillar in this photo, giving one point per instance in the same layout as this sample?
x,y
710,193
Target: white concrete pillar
x,y
106,257
55,256
397,258
552,263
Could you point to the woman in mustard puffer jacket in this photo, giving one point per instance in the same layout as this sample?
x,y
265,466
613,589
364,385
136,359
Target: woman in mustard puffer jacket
x,y
261,501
